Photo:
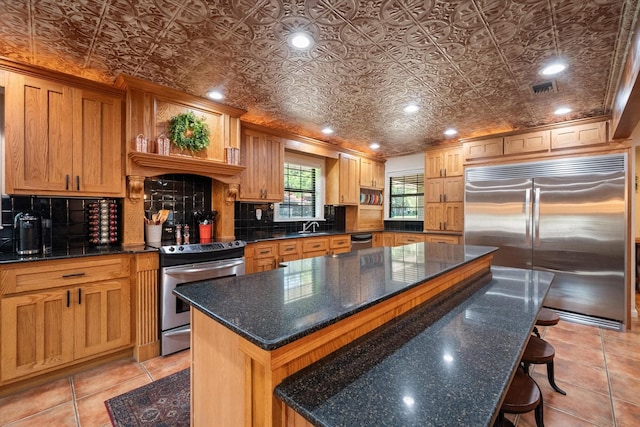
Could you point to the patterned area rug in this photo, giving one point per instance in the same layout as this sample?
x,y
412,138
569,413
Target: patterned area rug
x,y
165,402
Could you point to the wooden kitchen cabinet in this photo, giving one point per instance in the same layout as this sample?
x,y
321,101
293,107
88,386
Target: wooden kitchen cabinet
x,y
443,163
408,238
315,246
62,140
261,257
530,142
371,174
339,244
444,216
290,250
377,240
343,176
483,149
56,313
442,238
445,189
263,178
579,135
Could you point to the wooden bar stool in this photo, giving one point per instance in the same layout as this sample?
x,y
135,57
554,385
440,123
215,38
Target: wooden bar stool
x,y
523,396
545,317
539,352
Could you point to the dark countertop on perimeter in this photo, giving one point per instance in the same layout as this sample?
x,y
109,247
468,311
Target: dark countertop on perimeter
x,y
85,251
446,363
276,307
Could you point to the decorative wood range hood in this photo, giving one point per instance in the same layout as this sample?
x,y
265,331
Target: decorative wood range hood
x,y
149,110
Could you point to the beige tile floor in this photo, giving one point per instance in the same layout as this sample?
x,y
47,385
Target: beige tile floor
x,y
599,369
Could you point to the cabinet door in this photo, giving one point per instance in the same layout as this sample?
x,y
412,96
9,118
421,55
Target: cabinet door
x,y
434,163
272,164
388,239
366,173
102,317
349,177
290,250
435,190
97,141
453,189
378,175
579,135
452,160
453,216
434,216
263,179
531,142
408,238
483,149
39,135
36,331
443,238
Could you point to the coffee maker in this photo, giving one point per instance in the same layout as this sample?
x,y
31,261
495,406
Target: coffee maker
x,y
27,233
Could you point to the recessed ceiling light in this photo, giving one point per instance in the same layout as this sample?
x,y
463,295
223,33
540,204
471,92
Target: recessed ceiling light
x,y
374,145
411,108
554,68
215,95
327,131
300,40
562,110
450,132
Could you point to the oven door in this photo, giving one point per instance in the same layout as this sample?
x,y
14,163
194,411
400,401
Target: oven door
x,y
174,313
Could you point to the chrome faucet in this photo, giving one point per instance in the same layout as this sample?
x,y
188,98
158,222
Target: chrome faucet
x,y
312,224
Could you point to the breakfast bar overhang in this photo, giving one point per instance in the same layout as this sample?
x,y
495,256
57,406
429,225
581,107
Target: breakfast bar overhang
x,y
249,333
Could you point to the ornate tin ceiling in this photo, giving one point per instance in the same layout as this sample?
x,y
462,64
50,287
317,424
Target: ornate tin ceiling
x,y
469,64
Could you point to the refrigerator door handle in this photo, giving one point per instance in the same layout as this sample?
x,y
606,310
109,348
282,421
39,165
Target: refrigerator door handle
x,y
527,215
536,217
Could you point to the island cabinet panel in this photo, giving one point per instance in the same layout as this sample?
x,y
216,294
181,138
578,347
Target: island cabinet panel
x,y
531,142
69,315
62,140
263,178
250,373
579,135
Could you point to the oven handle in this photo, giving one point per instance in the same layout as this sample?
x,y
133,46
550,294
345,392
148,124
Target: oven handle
x,y
187,270
175,333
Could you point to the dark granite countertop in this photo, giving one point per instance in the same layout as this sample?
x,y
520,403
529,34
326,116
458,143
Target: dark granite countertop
x,y
85,251
263,236
446,363
276,307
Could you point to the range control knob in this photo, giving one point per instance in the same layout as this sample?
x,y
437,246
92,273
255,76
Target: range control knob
x,y
181,248
171,249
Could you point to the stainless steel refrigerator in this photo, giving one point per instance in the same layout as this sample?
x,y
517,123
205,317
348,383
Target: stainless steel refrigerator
x,y
566,216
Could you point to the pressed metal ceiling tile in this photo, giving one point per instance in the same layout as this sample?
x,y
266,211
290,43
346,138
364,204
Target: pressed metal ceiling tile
x,y
469,63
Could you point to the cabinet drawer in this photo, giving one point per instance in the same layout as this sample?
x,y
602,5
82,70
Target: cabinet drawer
x,y
406,239
265,251
22,277
314,245
338,242
290,247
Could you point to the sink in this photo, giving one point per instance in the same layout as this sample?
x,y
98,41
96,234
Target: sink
x,y
305,232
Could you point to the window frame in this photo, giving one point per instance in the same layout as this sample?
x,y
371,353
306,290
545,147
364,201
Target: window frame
x,y
312,162
388,208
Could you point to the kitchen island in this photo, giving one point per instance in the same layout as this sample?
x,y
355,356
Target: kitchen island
x,y
251,332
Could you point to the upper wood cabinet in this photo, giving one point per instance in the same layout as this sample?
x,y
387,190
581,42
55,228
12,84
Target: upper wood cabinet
x,y
62,140
483,149
531,142
371,174
443,163
444,195
263,178
579,135
343,176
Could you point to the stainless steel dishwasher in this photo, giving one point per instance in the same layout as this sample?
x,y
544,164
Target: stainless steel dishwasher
x,y
361,241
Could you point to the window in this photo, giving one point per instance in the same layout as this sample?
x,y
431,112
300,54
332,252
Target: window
x,y
406,196
303,189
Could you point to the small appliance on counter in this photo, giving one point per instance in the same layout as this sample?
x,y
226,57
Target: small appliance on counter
x,y
27,233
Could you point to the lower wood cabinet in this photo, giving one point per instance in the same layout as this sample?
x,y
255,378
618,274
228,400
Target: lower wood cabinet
x,y
442,238
339,244
55,326
408,238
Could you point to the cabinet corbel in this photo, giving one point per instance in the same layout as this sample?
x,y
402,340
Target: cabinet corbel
x,y
135,188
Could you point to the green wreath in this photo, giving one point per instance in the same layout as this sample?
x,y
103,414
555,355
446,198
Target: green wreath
x,y
189,132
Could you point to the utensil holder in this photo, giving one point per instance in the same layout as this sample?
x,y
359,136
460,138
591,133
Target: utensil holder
x,y
154,234
205,232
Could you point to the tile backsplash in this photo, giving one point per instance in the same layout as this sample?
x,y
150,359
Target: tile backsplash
x,y
68,215
249,227
181,195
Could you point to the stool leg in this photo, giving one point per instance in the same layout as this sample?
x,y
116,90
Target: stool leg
x,y
539,411
552,380
536,332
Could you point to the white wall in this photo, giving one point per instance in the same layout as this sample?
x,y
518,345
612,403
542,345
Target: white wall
x,y
401,165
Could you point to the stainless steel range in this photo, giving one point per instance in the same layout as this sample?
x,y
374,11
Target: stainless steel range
x,y
184,264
